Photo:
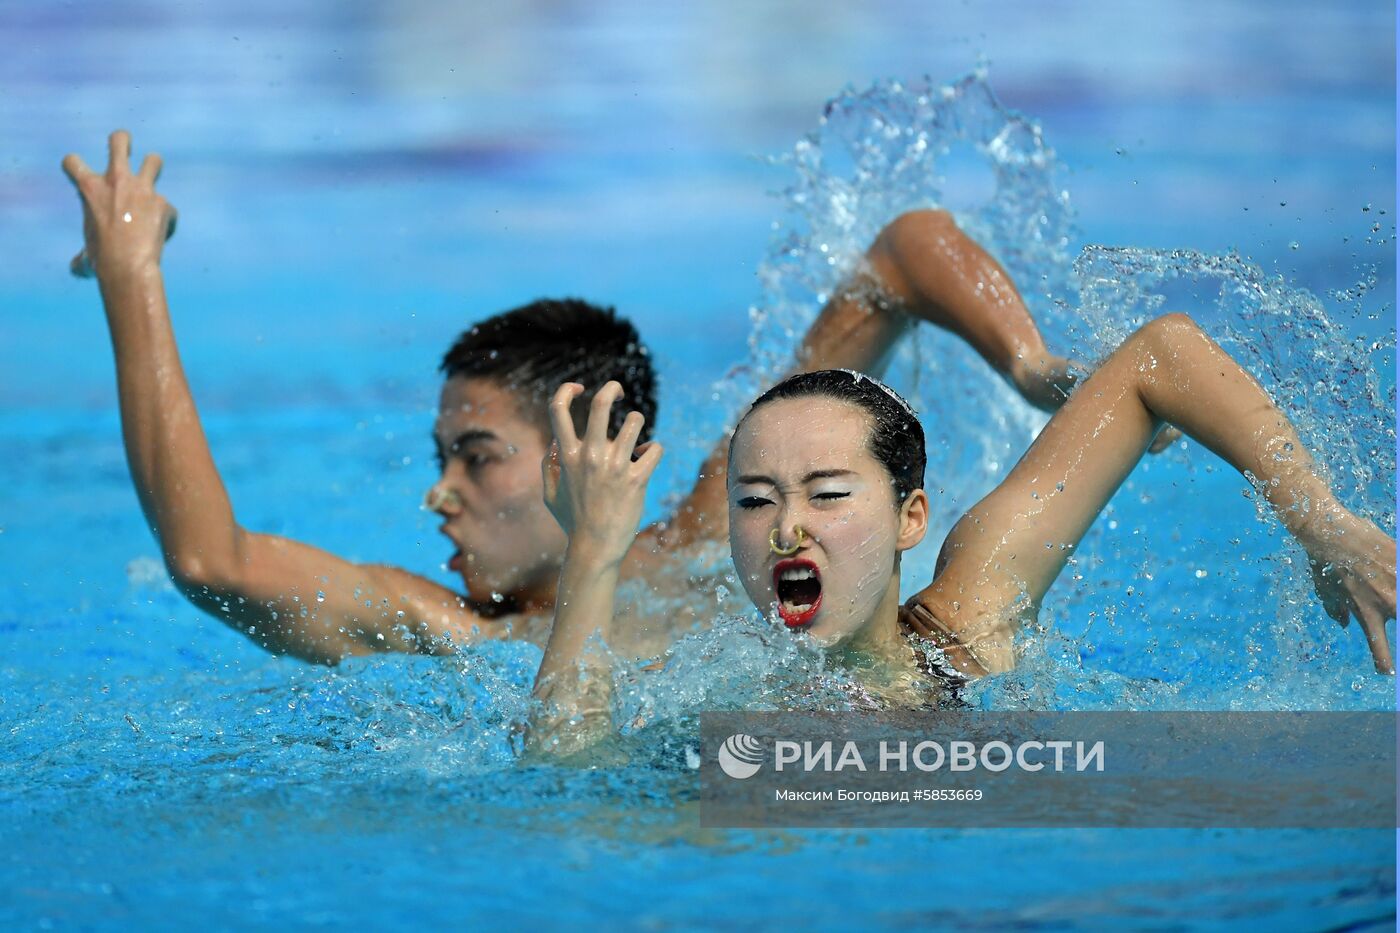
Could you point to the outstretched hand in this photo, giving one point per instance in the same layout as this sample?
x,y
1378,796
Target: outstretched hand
x,y
596,486
125,222
1353,571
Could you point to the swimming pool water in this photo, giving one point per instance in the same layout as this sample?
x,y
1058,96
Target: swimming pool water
x,y
359,182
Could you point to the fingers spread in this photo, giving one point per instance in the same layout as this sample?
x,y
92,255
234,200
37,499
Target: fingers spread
x,y
119,154
560,419
76,169
150,168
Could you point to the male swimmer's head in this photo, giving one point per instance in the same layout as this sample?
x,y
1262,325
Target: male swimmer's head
x,y
826,471
492,431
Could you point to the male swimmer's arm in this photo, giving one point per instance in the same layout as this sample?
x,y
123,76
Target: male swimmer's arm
x,y
1009,548
935,272
924,268
287,596
595,487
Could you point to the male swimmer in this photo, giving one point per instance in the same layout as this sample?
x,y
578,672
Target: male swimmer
x,y
825,481
491,434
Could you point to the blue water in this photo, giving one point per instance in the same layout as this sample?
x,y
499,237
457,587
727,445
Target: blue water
x,y
357,182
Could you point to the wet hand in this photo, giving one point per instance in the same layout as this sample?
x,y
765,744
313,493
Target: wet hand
x,y
125,222
1353,570
596,486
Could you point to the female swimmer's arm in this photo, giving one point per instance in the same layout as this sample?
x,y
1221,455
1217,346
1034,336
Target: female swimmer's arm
x,y
287,596
1008,549
924,268
596,489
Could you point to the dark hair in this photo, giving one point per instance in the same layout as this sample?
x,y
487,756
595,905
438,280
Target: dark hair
x,y
896,437
532,349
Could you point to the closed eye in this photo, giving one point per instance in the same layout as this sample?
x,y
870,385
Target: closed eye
x,y
831,495
471,459
753,502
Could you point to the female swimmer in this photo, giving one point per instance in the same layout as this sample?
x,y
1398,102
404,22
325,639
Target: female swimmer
x,y
825,494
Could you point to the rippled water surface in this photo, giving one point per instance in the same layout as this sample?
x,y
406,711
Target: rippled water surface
x,y
358,182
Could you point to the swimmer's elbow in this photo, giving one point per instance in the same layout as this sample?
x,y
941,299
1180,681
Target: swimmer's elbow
x,y
1167,333
906,234
191,574
201,575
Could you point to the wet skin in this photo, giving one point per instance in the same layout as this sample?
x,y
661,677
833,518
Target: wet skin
x,y
292,597
490,496
805,463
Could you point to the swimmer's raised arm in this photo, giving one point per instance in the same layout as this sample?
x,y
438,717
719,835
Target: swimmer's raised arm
x,y
595,487
935,272
921,267
287,596
1007,550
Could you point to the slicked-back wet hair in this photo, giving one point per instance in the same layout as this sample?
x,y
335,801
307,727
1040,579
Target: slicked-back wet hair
x,y
532,349
896,437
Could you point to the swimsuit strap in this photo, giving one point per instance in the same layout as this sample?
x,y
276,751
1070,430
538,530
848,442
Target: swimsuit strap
x,y
950,659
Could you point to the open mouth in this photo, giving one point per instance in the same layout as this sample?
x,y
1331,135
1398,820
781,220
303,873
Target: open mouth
x,y
798,584
454,563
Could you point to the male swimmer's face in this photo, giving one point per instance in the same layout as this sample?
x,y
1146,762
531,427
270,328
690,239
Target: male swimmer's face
x,y
490,494
805,462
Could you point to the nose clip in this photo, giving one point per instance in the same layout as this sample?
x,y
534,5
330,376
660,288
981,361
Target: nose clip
x,y
786,551
437,499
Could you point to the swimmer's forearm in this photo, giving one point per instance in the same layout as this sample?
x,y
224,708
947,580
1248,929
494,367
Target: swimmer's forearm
x,y
850,333
1167,371
584,606
1003,555
936,273
176,480
574,681
1186,379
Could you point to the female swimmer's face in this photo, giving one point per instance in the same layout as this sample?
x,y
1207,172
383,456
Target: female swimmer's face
x,y
805,462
